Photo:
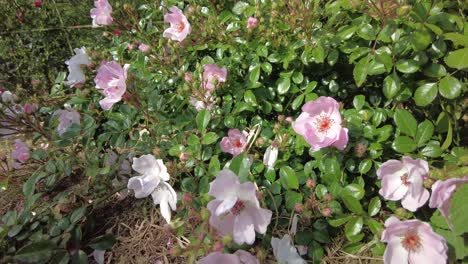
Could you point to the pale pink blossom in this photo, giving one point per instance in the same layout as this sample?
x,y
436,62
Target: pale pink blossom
x,y
442,193
285,252
236,210
130,46
76,77
111,78
212,75
239,257
66,119
271,154
413,242
101,14
144,48
153,181
20,154
180,27
235,142
403,180
320,124
252,22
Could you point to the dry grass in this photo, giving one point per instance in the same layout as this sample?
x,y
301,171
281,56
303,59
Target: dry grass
x,y
141,238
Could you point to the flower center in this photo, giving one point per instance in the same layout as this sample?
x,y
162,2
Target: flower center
x,y
404,179
180,27
238,207
237,143
324,123
411,241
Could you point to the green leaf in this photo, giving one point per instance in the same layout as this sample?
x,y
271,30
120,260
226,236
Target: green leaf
x,y
209,138
374,206
458,209
35,252
354,190
77,215
103,242
284,84
79,258
420,39
365,166
297,77
240,165
457,59
360,71
240,7
367,32
450,87
288,178
214,167
297,102
254,73
435,71
373,225
292,198
407,66
352,204
202,119
404,144
333,56
432,149
318,54
339,221
425,131
354,226
249,98
405,122
425,94
391,85
359,101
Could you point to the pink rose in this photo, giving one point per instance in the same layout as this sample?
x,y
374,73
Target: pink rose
x,y
442,193
212,74
101,14
111,79
236,210
144,48
412,241
235,142
252,22
20,154
180,27
403,180
239,257
320,124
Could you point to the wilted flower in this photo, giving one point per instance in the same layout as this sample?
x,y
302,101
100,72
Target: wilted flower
x,y
285,252
20,154
403,180
188,77
111,79
442,193
76,76
271,154
320,124
252,22
98,256
180,27
412,241
212,74
101,14
66,119
239,257
143,47
235,142
236,209
153,182
206,103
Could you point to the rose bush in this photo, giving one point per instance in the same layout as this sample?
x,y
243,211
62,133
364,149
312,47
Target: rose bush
x,y
262,130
